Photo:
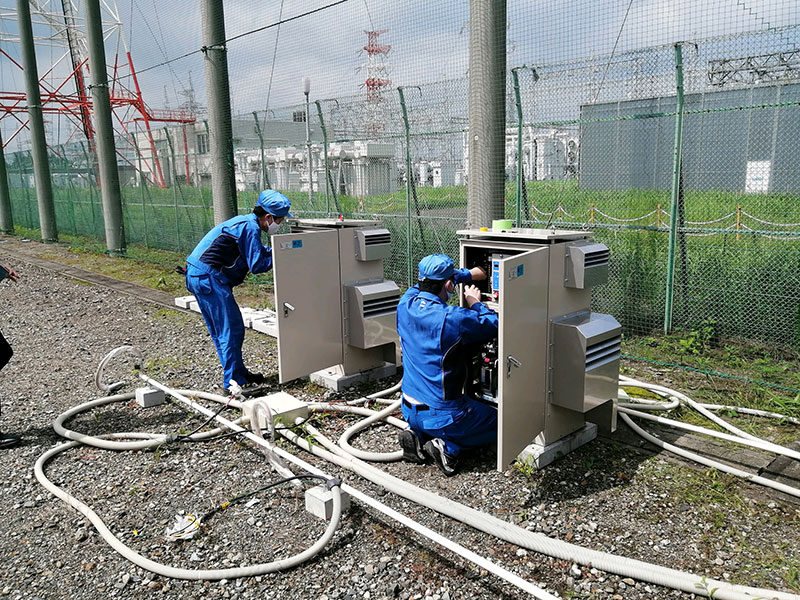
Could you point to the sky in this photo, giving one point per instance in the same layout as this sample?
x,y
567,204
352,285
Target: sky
x,y
429,42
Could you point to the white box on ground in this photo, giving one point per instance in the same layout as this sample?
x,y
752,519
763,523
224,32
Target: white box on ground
x,y
147,397
319,502
250,314
283,407
183,301
266,324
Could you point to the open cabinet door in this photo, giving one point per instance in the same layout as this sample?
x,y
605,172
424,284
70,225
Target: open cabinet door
x,y
522,380
308,302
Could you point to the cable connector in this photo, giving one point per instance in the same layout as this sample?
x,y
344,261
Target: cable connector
x,y
333,482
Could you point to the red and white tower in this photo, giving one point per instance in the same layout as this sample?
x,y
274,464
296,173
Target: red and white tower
x,y
376,82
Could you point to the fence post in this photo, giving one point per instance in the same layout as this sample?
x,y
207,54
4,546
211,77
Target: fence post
x,y
520,174
143,186
91,179
409,175
676,178
174,189
738,220
6,215
325,160
521,190
264,175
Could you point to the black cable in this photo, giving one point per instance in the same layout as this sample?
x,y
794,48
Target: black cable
x,y
183,436
329,482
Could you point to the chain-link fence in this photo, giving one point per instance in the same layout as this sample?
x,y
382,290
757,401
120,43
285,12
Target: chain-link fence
x,y
700,177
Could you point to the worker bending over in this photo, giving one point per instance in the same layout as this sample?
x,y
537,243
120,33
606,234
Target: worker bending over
x,y
443,420
221,261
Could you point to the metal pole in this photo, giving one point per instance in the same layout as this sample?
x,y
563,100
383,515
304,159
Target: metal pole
x,y
6,214
487,111
264,175
106,151
325,160
520,166
174,184
306,91
409,175
142,185
41,165
223,180
676,179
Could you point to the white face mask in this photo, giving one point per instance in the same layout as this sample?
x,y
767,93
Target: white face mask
x,y
448,293
272,228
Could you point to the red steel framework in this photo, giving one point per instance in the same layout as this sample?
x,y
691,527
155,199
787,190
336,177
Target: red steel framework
x,y
375,81
128,107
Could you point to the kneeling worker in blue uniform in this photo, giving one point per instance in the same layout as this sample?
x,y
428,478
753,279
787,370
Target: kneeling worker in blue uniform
x,y
221,261
443,420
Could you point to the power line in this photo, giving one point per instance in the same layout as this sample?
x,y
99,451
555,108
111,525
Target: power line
x,y
241,35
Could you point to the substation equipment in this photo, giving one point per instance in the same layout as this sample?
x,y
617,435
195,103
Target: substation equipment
x,y
335,313
553,369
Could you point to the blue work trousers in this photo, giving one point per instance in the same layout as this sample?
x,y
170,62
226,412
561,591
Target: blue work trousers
x,y
468,424
224,321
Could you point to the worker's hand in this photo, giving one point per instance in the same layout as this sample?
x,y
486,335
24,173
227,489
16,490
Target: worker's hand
x,y
477,273
472,295
12,274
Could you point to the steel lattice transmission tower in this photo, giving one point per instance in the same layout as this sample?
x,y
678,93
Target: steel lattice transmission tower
x,y
376,82
59,24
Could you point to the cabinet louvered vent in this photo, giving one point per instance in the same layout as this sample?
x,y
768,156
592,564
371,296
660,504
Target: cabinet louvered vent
x,y
371,313
378,238
602,352
372,244
380,306
599,257
587,264
585,360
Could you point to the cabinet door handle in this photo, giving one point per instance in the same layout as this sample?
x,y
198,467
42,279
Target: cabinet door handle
x,y
511,362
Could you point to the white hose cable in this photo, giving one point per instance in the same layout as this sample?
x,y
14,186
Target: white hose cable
x,y
275,460
740,436
415,526
98,374
684,398
626,567
753,411
712,463
753,443
107,441
372,416
527,586
377,396
344,439
176,572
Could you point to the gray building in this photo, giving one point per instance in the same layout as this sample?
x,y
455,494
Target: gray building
x,y
629,144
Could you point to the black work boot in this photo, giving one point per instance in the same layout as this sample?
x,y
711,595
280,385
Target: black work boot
x,y
8,441
436,449
412,447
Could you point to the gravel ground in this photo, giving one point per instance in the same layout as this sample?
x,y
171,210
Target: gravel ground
x,y
606,496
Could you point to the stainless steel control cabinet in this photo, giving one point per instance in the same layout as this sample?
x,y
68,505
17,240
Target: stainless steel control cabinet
x,y
332,305
557,363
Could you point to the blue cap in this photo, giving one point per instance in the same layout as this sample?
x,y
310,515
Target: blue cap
x,y
274,203
436,266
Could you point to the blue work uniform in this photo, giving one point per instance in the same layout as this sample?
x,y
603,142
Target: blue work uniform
x,y
221,261
433,335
